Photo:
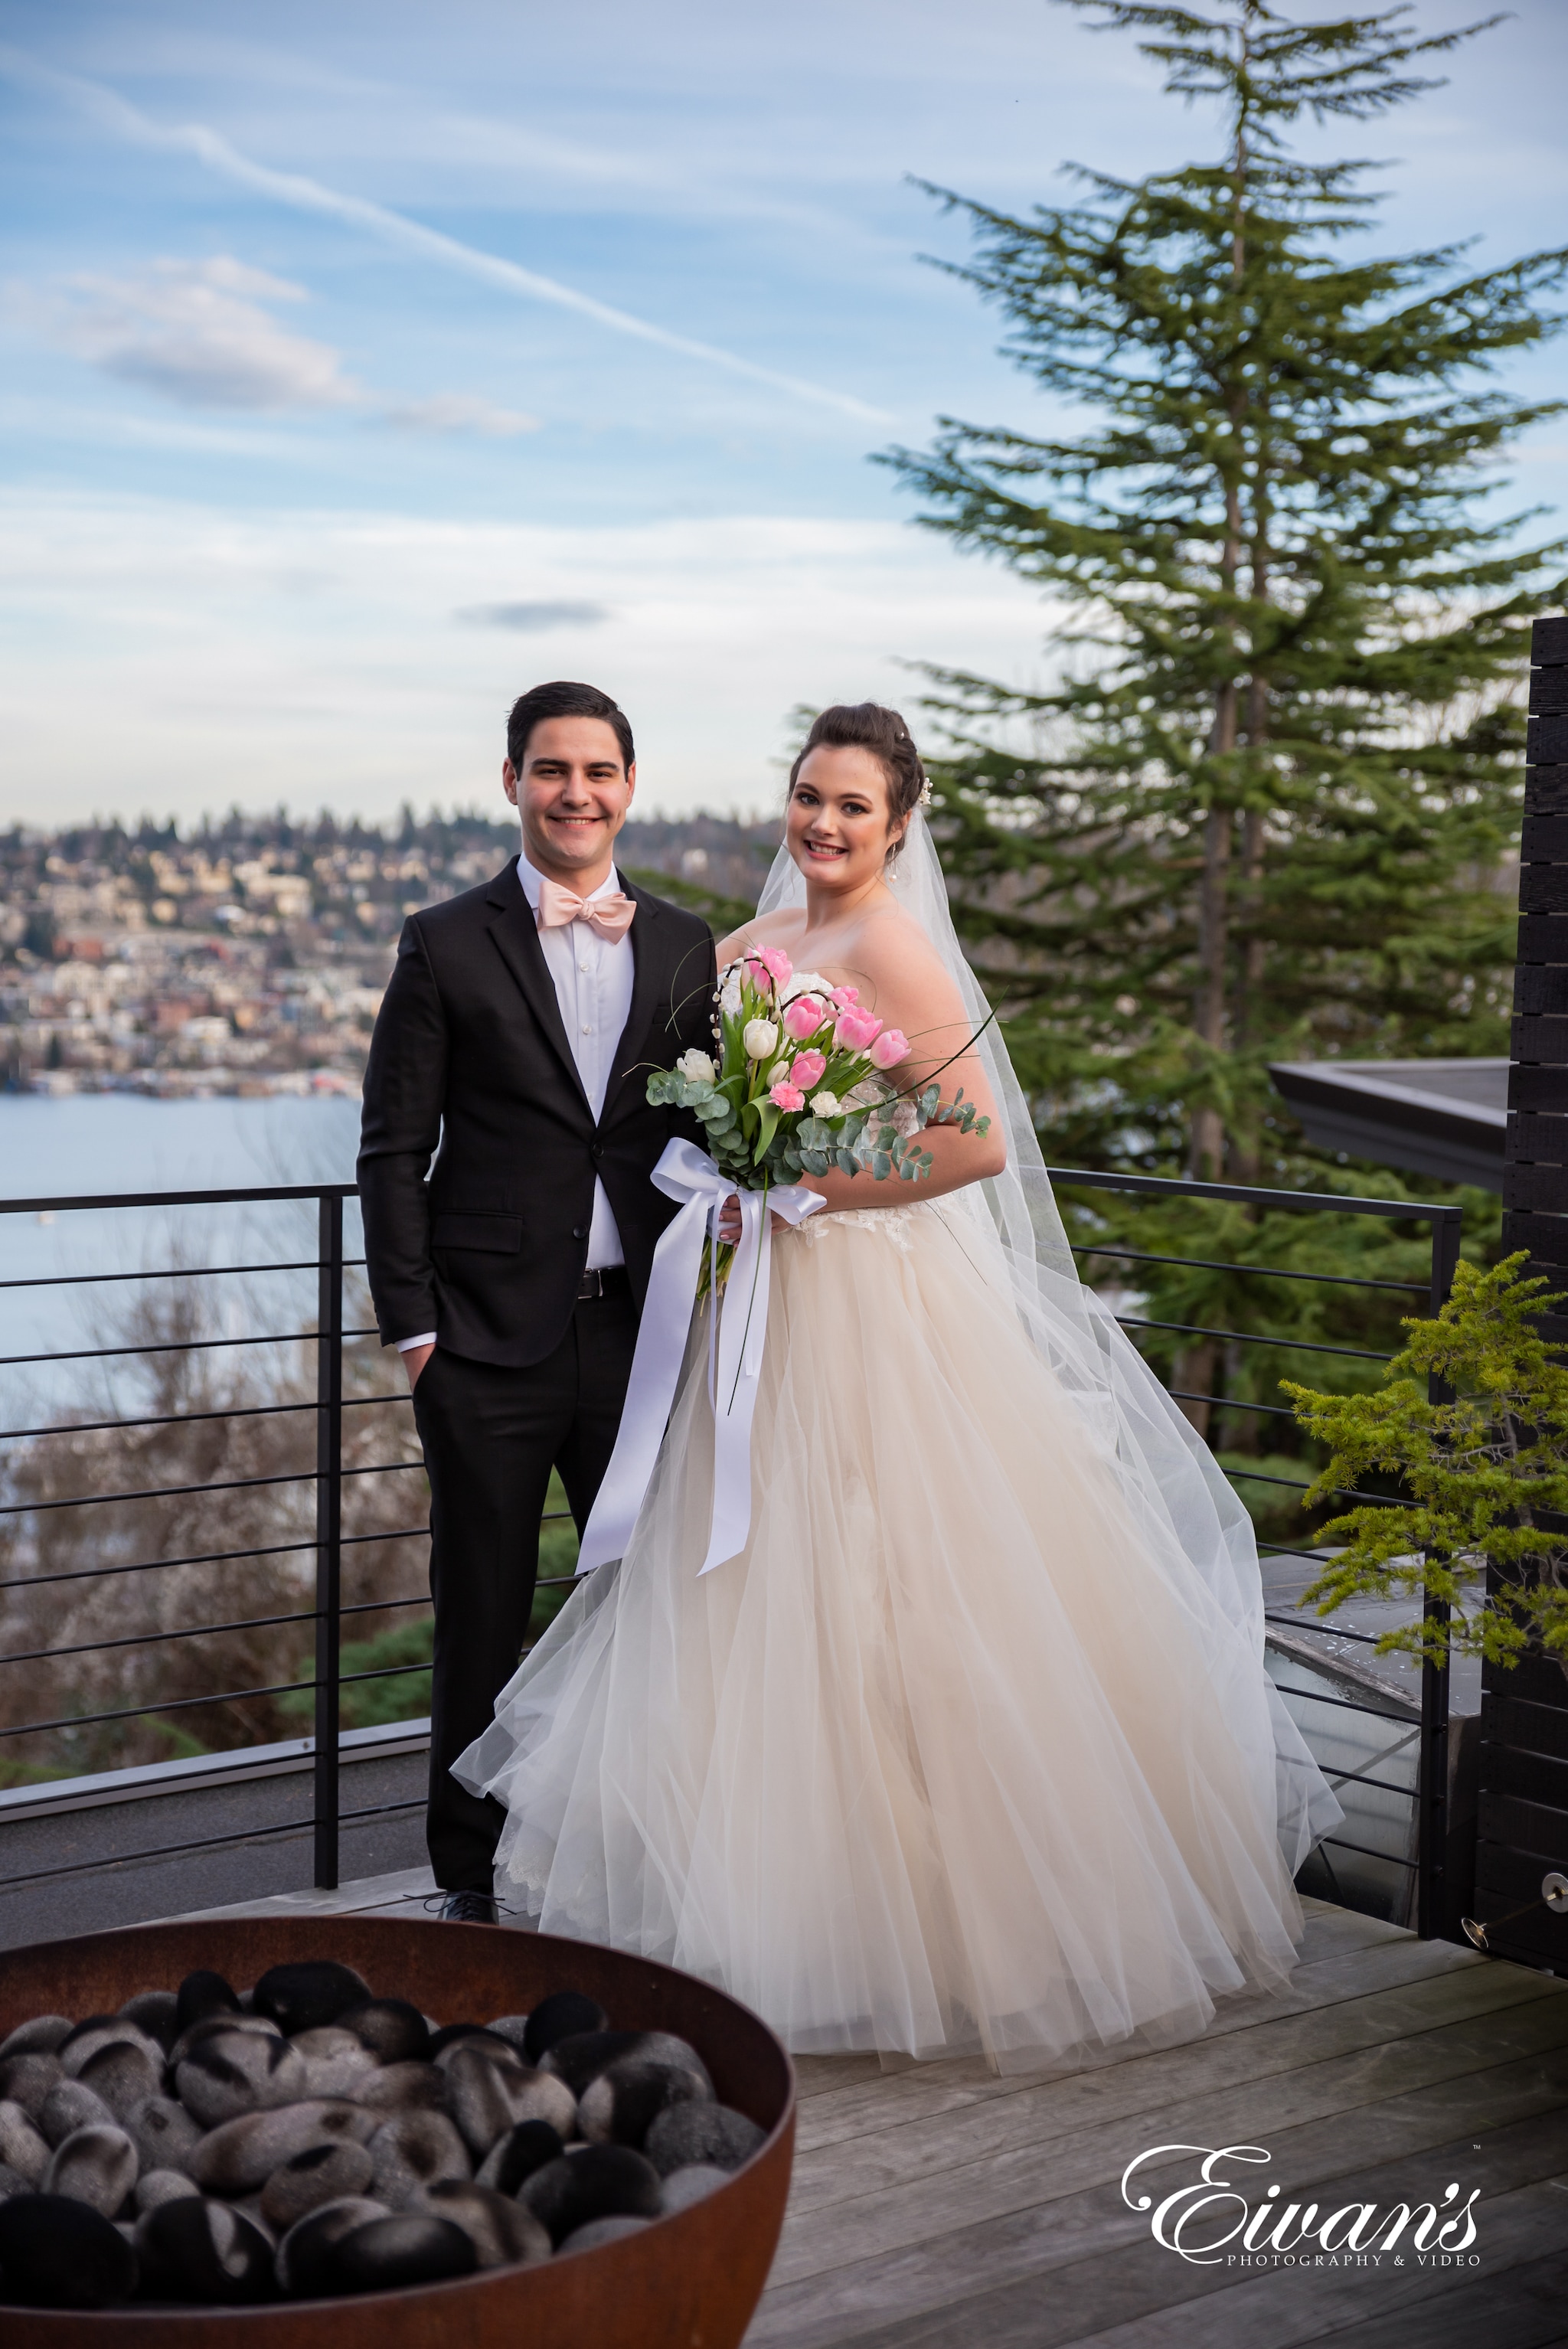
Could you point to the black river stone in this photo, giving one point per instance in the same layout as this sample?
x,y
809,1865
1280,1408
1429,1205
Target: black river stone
x,y
200,1994
39,2036
237,2072
89,2040
564,2015
240,2158
599,2231
489,2093
394,2031
579,2060
163,2133
512,2027
453,2034
27,2080
503,2232
193,2250
620,2105
302,2263
97,2166
69,2107
683,2135
156,2011
682,2188
329,2172
581,2056
215,2027
518,2154
123,2074
57,2253
303,1995
410,2248
594,2181
414,2149
22,2147
403,2088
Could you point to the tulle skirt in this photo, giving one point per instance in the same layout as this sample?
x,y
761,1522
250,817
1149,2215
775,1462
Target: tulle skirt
x,y
956,1756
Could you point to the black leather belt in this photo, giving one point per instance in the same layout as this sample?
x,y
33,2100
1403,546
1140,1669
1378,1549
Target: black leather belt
x,y
608,1280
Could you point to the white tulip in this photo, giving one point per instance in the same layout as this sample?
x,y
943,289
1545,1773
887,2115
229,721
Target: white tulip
x,y
761,1040
696,1064
824,1104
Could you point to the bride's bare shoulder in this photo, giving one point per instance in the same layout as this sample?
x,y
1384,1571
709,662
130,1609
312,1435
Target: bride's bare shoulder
x,y
780,929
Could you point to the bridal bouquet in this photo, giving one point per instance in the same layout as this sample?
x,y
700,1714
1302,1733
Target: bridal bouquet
x,y
801,1084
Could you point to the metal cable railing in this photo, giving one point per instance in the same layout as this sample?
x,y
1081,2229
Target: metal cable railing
x,y
329,1476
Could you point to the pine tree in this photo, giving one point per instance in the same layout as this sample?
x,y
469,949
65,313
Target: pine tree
x,y
1261,815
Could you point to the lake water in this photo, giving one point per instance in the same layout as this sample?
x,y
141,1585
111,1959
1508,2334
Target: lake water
x,y
89,1143
92,1142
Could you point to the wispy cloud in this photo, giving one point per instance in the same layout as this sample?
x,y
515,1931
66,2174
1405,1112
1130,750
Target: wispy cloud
x,y
107,107
199,333
460,411
533,619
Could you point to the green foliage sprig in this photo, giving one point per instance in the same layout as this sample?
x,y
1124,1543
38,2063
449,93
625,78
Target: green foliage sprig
x,y
1486,1474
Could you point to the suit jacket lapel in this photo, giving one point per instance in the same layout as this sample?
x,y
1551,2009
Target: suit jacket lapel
x,y
649,975
516,935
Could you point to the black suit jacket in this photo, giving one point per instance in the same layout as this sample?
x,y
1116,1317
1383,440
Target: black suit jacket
x,y
469,1051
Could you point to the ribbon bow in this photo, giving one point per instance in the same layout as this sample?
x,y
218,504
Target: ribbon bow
x,y
609,916
735,1354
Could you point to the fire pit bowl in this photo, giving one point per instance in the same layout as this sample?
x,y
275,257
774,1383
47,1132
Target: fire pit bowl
x,y
688,2281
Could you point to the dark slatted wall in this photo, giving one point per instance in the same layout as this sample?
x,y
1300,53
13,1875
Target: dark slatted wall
x,y
1523,1802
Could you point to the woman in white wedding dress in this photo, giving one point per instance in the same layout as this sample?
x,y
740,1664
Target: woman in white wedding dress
x,y
971,1746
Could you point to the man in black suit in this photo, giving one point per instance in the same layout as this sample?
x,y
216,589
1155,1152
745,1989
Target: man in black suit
x,y
516,1032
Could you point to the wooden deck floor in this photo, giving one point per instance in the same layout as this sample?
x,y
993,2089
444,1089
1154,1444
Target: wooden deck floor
x,y
941,2207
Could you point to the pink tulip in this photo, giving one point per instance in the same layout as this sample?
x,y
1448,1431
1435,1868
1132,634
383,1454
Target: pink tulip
x,y
786,1096
856,1029
840,998
807,1067
803,1016
778,967
891,1047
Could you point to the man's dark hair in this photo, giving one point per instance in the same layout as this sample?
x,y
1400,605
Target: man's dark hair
x,y
564,699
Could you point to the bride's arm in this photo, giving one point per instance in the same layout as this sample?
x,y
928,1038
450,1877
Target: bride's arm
x,y
905,984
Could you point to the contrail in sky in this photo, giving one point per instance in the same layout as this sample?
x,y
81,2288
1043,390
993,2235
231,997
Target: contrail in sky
x,y
211,148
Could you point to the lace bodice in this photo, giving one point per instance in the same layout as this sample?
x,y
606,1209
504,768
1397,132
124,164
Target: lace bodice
x,y
893,1223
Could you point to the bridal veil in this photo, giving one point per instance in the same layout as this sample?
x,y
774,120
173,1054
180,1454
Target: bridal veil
x,y
1195,1527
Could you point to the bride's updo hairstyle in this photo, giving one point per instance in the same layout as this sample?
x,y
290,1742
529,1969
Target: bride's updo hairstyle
x,y
867,726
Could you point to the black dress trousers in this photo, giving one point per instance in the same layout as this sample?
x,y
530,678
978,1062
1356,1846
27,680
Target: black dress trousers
x,y
491,1436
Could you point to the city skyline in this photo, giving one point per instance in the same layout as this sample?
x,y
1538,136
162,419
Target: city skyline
x,y
364,369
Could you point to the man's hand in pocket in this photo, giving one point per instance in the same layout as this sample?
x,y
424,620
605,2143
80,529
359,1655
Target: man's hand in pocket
x,y
414,1362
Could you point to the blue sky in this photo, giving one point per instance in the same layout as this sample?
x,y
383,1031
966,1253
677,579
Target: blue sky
x,y
364,362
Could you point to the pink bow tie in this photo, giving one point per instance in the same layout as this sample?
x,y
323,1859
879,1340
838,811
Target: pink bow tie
x,y
609,916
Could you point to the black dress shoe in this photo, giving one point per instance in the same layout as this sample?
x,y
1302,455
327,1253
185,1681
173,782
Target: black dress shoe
x,y
468,1908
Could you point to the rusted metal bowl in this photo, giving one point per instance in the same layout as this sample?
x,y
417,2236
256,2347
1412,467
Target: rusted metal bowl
x,y
690,2281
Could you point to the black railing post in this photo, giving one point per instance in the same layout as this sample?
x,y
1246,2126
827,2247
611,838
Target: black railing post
x,y
1432,1805
328,1529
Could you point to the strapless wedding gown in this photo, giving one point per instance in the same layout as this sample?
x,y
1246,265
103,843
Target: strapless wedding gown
x,y
955,1755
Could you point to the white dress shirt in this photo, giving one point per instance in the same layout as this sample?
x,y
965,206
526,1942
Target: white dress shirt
x,y
593,979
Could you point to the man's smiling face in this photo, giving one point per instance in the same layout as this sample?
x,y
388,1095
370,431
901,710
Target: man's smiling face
x,y
573,796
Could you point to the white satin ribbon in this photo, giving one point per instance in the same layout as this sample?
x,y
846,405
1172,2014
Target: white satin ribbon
x,y
735,1362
